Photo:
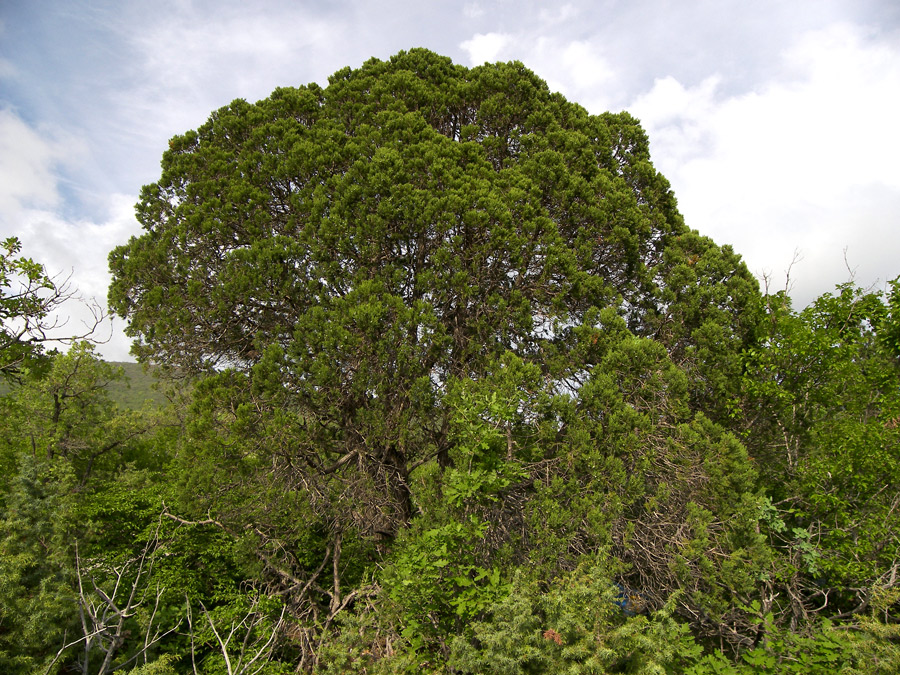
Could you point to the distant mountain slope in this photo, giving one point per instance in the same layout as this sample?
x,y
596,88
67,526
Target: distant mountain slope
x,y
136,388
132,392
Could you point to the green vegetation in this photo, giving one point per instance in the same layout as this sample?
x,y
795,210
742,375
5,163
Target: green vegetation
x,y
451,388
132,386
136,387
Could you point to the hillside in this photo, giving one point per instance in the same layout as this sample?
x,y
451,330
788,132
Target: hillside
x,y
132,392
138,387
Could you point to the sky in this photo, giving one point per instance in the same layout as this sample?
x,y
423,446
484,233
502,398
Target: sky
x,y
776,123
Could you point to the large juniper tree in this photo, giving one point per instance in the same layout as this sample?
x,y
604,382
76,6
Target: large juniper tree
x,y
348,258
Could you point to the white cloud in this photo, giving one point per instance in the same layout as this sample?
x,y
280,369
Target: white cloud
x,y
806,162
231,49
72,252
76,250
584,66
190,61
576,68
485,47
677,117
27,161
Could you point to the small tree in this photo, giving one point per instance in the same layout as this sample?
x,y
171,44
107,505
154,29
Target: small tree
x,y
822,409
29,299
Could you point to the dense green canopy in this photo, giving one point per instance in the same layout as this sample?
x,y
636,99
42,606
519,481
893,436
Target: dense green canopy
x,y
364,245
470,210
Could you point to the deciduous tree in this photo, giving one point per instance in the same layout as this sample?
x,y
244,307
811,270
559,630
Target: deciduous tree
x,y
29,299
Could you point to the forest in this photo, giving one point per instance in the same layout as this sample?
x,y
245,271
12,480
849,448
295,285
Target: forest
x,y
444,384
